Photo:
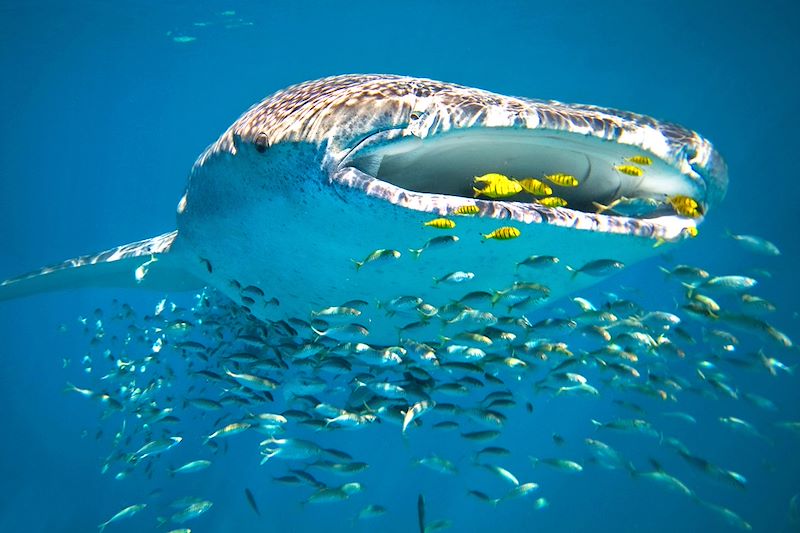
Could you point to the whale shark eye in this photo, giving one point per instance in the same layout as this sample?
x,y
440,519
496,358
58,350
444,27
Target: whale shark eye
x,y
261,142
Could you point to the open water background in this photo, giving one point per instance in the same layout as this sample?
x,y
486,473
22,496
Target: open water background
x,y
103,114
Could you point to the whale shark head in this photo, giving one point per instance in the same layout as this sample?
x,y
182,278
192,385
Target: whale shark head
x,y
419,143
297,199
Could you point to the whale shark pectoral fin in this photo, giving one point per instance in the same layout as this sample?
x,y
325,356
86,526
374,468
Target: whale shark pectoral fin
x,y
147,264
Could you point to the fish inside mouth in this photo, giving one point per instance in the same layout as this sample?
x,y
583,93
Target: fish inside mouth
x,y
611,178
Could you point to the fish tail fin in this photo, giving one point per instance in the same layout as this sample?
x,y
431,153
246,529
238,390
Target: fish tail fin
x,y
368,408
381,305
148,264
496,295
358,264
600,208
416,253
665,270
630,468
268,455
573,270
689,290
534,461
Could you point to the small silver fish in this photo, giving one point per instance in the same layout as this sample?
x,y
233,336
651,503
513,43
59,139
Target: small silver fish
x,y
416,411
686,273
377,255
155,447
599,268
755,244
454,277
194,466
253,382
371,511
637,207
521,490
560,464
434,244
192,511
438,464
502,473
538,261
125,513
726,284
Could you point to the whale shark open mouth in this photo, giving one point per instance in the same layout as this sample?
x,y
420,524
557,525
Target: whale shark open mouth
x,y
613,194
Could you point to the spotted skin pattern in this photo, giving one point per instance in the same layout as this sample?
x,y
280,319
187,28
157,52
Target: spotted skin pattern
x,y
331,109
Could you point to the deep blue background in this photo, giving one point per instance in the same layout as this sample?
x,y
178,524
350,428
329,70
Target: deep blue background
x,y
103,115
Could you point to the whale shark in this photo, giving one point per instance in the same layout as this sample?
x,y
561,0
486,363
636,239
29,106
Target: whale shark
x,y
318,196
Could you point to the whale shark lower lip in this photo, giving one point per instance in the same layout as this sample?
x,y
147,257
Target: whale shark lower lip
x,y
325,173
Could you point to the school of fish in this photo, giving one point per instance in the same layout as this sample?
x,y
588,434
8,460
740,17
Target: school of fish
x,y
292,382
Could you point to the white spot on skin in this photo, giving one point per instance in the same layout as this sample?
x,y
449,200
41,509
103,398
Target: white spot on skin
x,y
647,138
182,204
497,116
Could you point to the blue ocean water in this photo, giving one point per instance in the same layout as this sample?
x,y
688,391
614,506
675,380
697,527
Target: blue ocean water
x,y
106,111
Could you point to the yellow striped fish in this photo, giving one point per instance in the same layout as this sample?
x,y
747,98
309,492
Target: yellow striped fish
x,y
467,210
564,180
552,201
496,186
440,223
685,206
630,170
535,187
640,160
503,234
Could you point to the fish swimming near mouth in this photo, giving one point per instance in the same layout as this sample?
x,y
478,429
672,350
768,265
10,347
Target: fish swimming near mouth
x,y
326,172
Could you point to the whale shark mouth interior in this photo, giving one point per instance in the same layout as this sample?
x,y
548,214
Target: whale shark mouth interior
x,y
447,163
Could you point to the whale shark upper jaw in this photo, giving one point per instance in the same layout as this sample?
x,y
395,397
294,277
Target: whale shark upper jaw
x,y
434,173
